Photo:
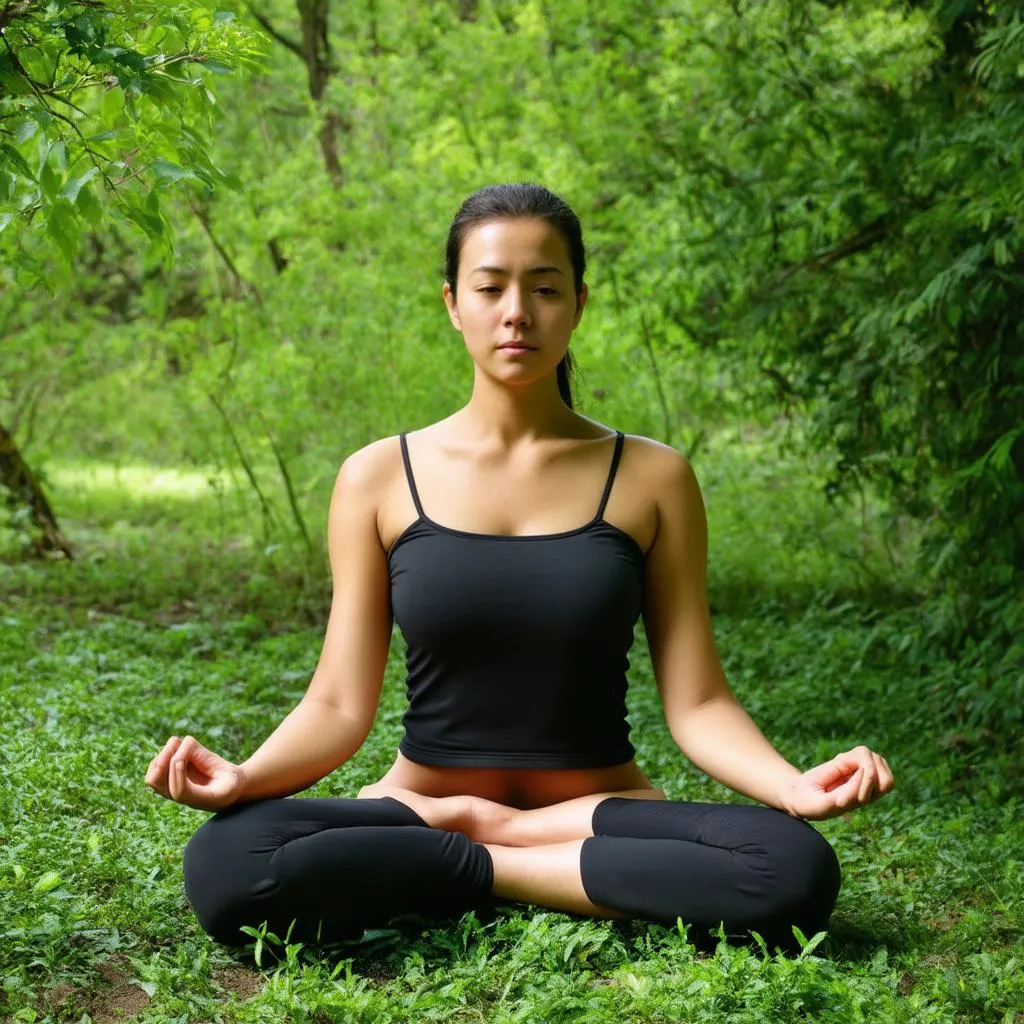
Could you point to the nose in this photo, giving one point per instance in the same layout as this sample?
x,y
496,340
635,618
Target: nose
x,y
517,312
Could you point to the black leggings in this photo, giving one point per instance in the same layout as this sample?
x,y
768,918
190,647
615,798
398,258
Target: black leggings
x,y
337,866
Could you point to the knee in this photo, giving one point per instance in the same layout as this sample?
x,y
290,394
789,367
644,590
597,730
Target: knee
x,y
222,881
808,880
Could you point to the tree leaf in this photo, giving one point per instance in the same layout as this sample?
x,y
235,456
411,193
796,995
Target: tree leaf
x,y
167,171
63,228
74,185
50,181
89,206
18,160
26,129
58,156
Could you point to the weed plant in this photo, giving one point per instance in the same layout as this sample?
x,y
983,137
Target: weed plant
x,y
175,620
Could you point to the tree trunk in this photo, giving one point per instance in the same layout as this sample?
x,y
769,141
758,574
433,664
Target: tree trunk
x,y
313,48
316,52
26,493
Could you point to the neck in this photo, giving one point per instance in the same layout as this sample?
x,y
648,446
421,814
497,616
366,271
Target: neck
x,y
509,416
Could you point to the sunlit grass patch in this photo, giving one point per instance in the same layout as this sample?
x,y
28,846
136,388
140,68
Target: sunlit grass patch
x,y
164,544
133,481
155,537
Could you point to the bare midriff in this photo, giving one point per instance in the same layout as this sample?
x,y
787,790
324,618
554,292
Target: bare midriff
x,y
514,787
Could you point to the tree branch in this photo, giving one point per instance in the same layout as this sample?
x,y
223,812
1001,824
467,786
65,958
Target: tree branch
x,y
240,282
13,11
93,155
288,44
863,238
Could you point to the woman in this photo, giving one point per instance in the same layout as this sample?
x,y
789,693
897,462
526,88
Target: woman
x,y
515,778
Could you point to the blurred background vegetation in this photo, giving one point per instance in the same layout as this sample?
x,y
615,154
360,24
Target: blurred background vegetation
x,y
222,233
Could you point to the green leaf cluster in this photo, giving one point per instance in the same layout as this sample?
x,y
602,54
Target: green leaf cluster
x,y
107,103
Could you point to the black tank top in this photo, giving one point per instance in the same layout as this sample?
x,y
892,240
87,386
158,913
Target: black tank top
x,y
517,647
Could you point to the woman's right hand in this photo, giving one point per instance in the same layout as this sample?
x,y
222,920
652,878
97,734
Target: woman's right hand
x,y
187,773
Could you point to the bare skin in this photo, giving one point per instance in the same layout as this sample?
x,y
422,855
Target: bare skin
x,y
517,461
535,853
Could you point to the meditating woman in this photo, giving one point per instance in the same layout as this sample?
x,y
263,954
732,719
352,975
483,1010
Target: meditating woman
x,y
516,543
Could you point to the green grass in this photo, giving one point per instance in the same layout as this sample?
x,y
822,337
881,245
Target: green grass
x,y
174,619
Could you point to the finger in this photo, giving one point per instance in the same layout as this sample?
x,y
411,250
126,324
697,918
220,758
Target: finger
x,y
159,762
831,773
204,759
159,786
156,773
856,756
166,752
885,779
177,780
845,796
868,781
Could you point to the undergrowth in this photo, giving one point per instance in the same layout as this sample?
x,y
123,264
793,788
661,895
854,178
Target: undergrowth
x,y
173,619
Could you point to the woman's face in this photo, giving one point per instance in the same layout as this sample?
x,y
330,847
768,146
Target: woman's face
x,y
516,303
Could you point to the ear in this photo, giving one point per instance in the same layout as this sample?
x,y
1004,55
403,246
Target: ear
x,y
581,301
453,311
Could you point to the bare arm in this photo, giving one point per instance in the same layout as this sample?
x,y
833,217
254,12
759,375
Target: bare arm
x,y
335,715
707,722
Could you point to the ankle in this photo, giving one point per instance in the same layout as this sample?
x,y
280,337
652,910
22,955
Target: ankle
x,y
485,821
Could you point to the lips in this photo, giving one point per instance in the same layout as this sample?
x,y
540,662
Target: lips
x,y
517,344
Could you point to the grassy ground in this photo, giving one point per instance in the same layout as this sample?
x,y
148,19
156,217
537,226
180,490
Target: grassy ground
x,y
174,620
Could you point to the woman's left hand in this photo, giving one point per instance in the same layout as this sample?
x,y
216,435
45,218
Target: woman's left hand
x,y
850,780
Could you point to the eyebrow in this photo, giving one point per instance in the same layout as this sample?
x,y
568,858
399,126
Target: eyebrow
x,y
502,270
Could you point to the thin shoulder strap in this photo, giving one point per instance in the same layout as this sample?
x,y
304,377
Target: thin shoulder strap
x,y
408,475
619,436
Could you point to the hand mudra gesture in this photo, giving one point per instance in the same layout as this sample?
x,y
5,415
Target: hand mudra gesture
x,y
850,780
187,773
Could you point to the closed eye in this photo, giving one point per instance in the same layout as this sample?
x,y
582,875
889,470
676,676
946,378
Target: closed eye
x,y
490,289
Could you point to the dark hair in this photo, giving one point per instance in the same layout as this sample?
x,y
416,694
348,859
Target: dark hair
x,y
514,202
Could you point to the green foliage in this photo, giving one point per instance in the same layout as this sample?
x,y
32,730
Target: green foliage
x,y
103,102
836,193
178,622
798,213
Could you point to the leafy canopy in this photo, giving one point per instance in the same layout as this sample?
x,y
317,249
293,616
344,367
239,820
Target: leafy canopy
x,y
111,102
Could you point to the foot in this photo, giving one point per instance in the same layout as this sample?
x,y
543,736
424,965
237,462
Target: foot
x,y
483,821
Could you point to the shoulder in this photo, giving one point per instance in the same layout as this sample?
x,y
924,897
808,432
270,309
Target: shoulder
x,y
656,455
365,476
670,485
372,464
654,459
668,472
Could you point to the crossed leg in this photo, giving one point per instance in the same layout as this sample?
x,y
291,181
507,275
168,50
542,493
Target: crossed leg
x,y
339,865
535,853
634,854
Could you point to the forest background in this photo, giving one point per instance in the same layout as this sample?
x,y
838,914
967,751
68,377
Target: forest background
x,y
220,243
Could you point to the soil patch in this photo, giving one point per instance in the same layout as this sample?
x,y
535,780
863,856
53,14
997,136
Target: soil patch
x,y
122,1000
245,983
118,998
